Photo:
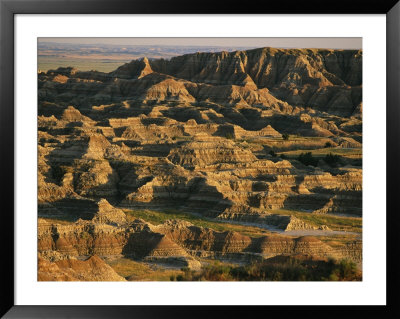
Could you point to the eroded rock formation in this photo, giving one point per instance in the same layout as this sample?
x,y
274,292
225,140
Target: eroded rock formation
x,y
173,240
214,134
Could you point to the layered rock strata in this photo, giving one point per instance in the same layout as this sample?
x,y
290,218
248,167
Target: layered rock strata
x,y
171,240
214,134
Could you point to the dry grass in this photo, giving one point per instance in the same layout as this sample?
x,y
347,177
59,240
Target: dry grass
x,y
137,271
338,241
58,221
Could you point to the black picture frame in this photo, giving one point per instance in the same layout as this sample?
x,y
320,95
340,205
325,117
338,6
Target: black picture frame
x,y
9,8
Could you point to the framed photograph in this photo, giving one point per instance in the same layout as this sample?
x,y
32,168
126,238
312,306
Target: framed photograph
x,y
160,155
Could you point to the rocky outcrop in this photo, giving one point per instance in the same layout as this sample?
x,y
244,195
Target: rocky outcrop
x,y
297,224
215,134
107,214
82,238
173,240
328,80
203,153
70,269
244,213
135,69
267,67
280,245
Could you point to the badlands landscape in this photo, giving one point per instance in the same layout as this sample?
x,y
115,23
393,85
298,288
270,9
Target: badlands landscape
x,y
243,165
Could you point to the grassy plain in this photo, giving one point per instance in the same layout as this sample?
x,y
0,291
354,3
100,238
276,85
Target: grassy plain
x,y
138,271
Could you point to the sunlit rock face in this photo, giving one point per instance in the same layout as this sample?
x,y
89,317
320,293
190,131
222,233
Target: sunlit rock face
x,y
216,135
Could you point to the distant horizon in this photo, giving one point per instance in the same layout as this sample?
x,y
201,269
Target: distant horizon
x,y
106,54
249,43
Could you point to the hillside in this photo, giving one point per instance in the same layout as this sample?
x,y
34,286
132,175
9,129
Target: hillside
x,y
265,141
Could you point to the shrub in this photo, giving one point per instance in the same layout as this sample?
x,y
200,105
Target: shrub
x,y
328,144
332,159
288,269
272,153
343,270
346,270
285,136
58,173
307,159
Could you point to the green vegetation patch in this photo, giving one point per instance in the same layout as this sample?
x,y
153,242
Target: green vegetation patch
x,y
308,159
279,268
322,152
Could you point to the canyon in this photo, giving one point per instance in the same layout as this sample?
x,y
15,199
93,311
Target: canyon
x,y
236,157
